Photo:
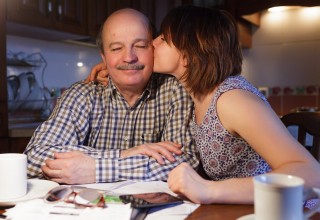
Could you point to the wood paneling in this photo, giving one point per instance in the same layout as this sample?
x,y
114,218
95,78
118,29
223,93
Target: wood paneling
x,y
18,145
4,145
3,72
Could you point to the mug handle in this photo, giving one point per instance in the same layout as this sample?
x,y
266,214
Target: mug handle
x,y
312,192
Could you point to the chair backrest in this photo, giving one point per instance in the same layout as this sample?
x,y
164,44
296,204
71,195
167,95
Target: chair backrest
x,y
307,122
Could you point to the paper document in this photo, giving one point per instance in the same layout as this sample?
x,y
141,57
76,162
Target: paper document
x,y
37,209
131,187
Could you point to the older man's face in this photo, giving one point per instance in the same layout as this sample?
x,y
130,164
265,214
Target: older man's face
x,y
128,52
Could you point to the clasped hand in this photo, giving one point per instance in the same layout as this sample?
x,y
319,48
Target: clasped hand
x,y
70,167
79,168
156,150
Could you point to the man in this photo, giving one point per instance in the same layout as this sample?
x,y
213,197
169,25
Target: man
x,y
135,128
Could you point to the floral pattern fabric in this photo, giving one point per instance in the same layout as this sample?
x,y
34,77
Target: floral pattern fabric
x,y
223,155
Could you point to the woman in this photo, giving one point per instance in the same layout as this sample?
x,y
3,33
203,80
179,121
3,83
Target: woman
x,y
236,131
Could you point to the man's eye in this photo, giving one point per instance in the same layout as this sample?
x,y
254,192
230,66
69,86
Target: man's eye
x,y
142,46
116,49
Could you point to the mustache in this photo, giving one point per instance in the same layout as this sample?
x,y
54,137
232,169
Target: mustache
x,y
130,67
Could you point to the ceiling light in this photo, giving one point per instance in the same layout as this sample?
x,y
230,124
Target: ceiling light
x,y
282,8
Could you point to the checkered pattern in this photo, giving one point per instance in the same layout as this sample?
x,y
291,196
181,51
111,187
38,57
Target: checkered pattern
x,y
98,121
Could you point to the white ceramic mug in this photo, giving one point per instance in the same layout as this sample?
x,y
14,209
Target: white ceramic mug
x,y
13,176
280,197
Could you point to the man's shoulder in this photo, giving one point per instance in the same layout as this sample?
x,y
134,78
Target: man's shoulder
x,y
164,79
163,76
83,94
84,88
167,85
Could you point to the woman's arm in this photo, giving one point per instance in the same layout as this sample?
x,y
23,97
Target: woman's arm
x,y
244,114
258,124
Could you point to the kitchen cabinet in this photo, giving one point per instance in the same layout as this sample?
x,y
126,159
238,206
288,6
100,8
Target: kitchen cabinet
x,y
79,17
82,17
61,15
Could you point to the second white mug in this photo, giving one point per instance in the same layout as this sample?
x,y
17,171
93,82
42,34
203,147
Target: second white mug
x,y
279,197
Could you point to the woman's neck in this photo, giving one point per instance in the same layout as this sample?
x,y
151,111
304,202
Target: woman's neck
x,y
201,105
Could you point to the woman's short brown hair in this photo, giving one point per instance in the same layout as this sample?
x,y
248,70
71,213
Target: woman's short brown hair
x,y
208,39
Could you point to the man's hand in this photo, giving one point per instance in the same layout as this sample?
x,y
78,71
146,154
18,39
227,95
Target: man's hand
x,y
98,73
71,168
155,150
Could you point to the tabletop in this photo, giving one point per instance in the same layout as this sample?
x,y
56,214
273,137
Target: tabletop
x,y
218,212
226,212
203,212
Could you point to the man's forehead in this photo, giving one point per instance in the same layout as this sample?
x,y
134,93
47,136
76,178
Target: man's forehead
x,y
127,34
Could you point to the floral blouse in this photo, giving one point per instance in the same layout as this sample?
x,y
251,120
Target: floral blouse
x,y
223,155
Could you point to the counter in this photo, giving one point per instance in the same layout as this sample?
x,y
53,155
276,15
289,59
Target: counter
x,y
23,130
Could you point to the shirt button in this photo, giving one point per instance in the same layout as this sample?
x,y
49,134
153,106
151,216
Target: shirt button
x,y
126,138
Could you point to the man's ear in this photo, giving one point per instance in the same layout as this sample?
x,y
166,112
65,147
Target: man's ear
x,y
103,58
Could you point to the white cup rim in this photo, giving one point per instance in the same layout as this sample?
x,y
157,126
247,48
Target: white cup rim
x,y
279,180
10,156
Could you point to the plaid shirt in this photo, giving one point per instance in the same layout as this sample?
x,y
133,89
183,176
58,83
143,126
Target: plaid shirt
x,y
97,120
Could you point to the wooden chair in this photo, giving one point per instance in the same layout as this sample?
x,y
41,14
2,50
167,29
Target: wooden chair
x,y
307,122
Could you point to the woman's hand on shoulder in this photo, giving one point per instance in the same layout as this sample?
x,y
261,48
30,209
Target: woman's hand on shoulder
x,y
99,73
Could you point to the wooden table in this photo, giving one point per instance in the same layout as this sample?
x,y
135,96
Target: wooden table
x,y
226,212
220,212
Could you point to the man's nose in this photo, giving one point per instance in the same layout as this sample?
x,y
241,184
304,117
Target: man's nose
x,y
130,56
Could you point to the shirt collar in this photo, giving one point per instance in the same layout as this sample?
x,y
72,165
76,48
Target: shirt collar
x,y
145,95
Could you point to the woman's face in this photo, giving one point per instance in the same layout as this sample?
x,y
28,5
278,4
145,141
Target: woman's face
x,y
167,58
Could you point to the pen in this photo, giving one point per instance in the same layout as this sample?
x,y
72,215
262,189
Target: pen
x,y
62,213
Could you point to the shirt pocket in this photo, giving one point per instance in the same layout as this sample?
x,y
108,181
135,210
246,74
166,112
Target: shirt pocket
x,y
150,137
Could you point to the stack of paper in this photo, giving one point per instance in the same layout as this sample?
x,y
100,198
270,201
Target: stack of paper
x,y
37,209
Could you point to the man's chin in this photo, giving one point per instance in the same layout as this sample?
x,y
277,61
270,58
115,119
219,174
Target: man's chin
x,y
162,72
